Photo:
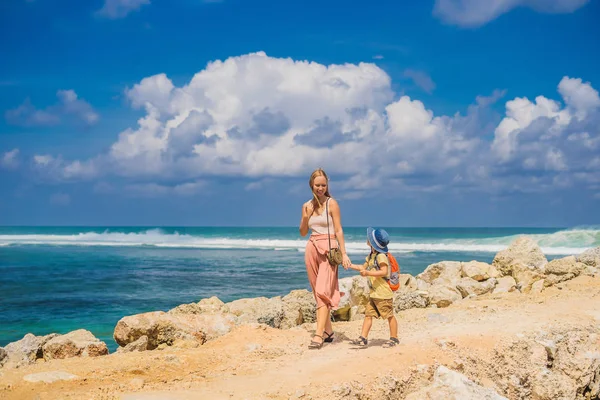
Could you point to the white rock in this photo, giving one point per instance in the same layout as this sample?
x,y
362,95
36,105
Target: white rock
x,y
451,385
50,377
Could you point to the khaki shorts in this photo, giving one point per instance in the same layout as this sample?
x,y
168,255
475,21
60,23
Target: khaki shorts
x,y
380,308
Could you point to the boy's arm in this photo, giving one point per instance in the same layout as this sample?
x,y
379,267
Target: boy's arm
x,y
356,267
374,273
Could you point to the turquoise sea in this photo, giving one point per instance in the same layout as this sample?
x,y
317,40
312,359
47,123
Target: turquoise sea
x,y
58,279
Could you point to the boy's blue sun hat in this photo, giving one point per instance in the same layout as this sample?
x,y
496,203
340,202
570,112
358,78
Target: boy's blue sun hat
x,y
379,239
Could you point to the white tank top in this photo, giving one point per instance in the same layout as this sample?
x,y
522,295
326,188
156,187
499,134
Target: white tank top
x,y
318,223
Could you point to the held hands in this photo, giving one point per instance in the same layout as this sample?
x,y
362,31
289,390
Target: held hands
x,y
364,272
346,261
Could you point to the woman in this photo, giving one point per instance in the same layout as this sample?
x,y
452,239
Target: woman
x,y
321,215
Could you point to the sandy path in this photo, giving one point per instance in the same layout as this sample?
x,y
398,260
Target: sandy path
x,y
256,362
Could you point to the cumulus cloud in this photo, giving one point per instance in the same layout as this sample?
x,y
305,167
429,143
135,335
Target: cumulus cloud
x,y
421,79
473,13
10,159
261,119
115,9
68,106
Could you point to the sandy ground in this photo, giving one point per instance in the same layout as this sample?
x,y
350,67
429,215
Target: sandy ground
x,y
257,362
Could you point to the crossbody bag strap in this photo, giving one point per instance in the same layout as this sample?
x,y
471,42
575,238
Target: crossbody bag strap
x,y
327,218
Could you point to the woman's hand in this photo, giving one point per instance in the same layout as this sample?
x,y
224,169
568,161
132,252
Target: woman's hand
x,y
307,210
346,261
364,272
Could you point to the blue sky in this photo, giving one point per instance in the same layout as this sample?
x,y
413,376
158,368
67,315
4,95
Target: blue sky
x,y
190,112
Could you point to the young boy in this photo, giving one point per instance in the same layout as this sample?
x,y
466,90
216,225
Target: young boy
x,y
381,296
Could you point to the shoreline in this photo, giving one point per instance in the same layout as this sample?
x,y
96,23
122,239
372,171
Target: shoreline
x,y
447,299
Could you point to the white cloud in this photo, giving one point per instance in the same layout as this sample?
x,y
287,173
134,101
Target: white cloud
x,y
114,9
421,79
260,118
43,159
473,13
159,190
68,106
10,159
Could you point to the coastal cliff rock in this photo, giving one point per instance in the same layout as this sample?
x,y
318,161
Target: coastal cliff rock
x,y
448,384
139,345
443,295
258,310
407,300
79,343
26,351
563,363
299,308
590,257
566,265
3,356
479,271
160,328
505,284
523,251
468,286
442,273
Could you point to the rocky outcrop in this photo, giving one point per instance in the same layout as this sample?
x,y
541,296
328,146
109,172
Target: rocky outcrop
x,y
479,271
26,351
299,308
470,287
443,295
448,384
505,284
139,345
563,363
406,300
160,328
564,266
3,356
523,251
442,273
79,343
258,310
590,257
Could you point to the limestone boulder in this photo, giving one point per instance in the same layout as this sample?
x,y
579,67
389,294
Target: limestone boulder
x,y
3,356
408,283
260,310
79,343
479,271
139,345
442,273
422,285
404,300
590,257
443,295
525,275
160,328
25,351
469,286
448,384
523,250
552,279
559,363
204,306
505,284
564,266
299,308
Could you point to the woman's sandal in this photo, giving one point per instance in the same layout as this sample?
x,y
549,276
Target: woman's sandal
x,y
329,337
316,345
391,343
361,341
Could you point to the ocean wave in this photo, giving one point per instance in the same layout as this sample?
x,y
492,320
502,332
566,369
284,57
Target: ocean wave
x,y
573,241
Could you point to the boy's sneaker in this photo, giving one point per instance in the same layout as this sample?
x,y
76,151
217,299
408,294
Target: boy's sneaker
x,y
361,341
391,343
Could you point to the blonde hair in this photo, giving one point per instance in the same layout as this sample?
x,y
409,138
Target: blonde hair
x,y
316,173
